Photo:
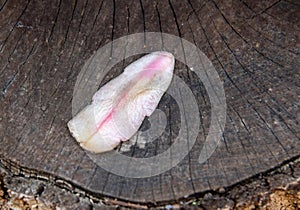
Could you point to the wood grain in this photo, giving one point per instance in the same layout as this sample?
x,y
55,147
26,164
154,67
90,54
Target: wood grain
x,y
254,46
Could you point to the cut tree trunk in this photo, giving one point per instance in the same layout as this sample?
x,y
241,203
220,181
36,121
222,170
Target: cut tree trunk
x,y
253,45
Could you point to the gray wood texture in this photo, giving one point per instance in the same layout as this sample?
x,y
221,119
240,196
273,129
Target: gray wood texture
x,y
254,46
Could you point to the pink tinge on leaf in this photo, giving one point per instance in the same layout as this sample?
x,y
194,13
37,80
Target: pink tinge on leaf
x,y
120,106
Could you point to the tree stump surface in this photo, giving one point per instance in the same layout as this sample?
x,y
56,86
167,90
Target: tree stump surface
x,y
254,46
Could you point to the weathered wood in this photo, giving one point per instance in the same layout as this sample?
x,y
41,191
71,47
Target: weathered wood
x,y
254,46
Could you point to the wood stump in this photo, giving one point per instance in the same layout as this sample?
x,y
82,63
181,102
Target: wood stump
x,y
253,45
